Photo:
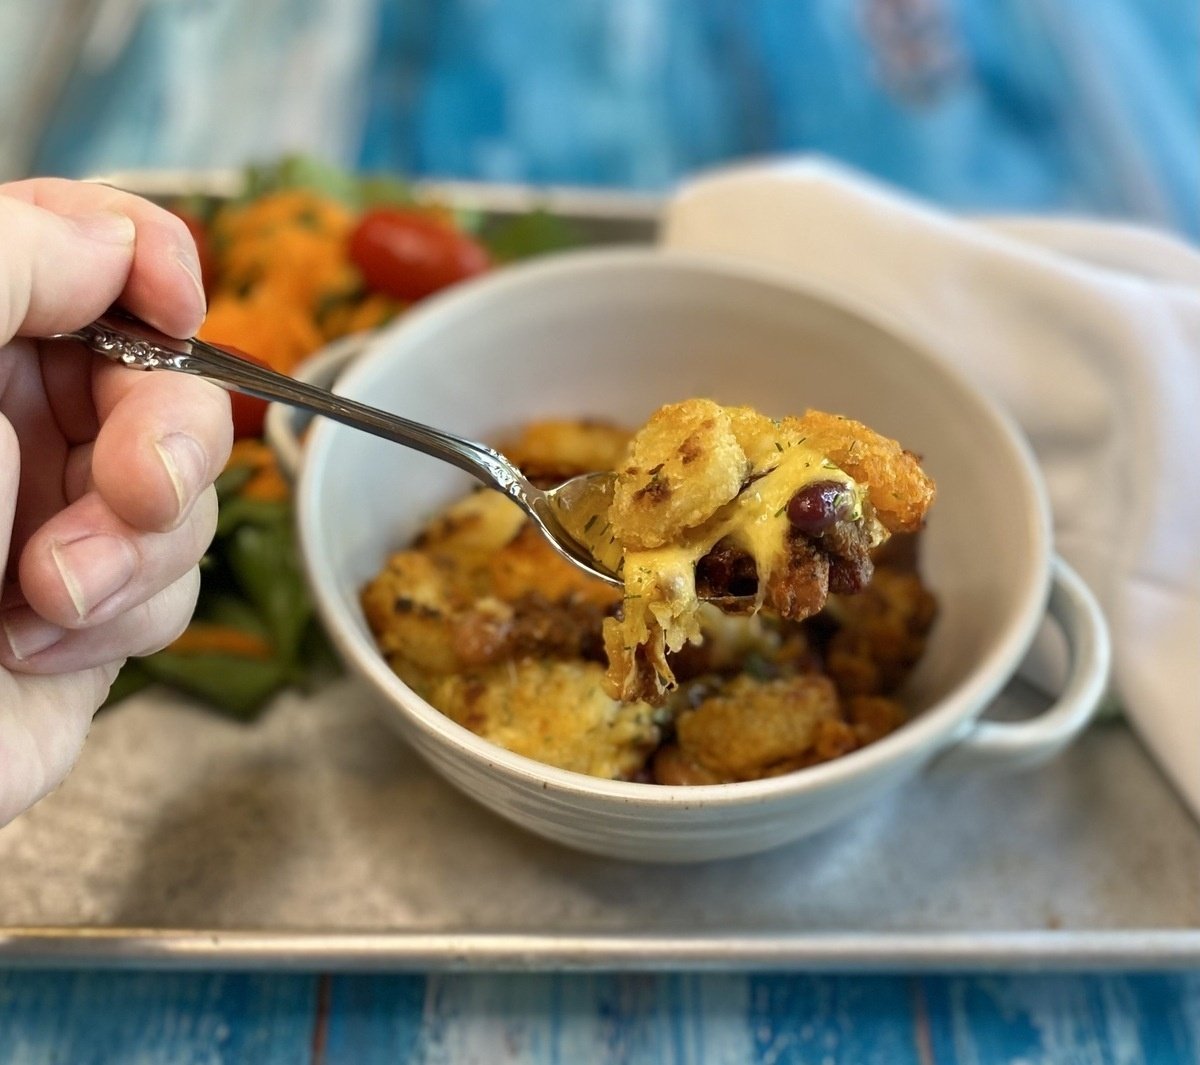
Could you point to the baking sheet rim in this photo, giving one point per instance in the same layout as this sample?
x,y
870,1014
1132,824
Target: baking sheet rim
x,y
1151,949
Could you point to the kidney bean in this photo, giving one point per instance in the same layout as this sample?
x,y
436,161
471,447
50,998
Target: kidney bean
x,y
818,506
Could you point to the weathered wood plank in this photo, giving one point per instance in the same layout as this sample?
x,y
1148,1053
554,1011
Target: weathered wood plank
x,y
374,1019
81,1018
78,1018
1065,1020
639,1019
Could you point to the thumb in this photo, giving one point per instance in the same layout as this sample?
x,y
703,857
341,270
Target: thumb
x,y
58,272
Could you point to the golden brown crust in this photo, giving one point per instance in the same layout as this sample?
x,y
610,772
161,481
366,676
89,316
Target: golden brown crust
x,y
759,437
551,451
408,607
752,729
899,490
528,565
872,717
750,512
553,712
486,621
682,466
881,633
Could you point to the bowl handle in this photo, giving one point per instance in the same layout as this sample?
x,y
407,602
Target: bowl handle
x,y
1012,745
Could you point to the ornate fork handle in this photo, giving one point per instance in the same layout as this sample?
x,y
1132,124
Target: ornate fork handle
x,y
133,343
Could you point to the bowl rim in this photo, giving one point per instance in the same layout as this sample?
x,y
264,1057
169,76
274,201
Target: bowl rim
x,y
937,725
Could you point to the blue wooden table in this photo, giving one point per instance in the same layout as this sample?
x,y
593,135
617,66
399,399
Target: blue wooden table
x,y
669,1019
1026,105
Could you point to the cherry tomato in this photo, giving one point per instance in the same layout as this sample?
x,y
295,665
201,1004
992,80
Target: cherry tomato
x,y
409,254
248,411
204,250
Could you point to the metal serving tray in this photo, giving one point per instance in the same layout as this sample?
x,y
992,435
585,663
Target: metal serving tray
x,y
315,839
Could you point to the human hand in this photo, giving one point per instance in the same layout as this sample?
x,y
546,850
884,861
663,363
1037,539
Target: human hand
x,y
106,497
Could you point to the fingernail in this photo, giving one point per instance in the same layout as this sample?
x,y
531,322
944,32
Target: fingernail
x,y
105,227
93,569
186,465
27,633
191,266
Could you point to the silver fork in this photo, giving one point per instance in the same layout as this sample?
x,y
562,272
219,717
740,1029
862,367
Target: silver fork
x,y
572,505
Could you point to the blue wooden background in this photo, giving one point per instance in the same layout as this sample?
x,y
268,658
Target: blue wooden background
x,y
669,1019
1087,106
1020,105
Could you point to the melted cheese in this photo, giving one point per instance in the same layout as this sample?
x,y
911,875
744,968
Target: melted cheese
x,y
661,608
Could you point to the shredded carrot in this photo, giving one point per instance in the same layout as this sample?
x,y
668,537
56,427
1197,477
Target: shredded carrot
x,y
292,242
250,451
359,315
266,482
284,284
286,208
301,266
203,638
265,324
268,485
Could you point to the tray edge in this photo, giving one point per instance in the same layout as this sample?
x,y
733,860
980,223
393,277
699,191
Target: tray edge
x,y
184,949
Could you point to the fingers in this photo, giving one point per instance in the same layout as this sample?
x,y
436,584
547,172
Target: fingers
x,y
57,273
141,630
10,476
43,722
149,442
158,279
163,439
107,499
85,567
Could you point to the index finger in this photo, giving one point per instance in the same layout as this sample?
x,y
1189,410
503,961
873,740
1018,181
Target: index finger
x,y
164,286
163,438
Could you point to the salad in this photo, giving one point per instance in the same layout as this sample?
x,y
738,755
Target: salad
x,y
306,255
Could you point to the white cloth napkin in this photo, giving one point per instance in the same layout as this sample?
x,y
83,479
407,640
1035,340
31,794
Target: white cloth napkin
x,y
1087,332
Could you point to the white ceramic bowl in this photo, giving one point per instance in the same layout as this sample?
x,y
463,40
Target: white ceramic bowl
x,y
615,334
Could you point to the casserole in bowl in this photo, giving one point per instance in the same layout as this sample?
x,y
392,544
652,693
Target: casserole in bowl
x,y
614,335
